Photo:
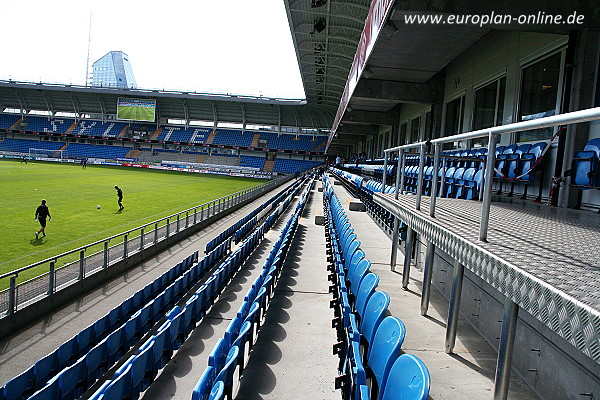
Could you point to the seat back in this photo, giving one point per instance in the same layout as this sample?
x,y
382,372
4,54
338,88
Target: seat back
x,y
374,312
407,379
385,348
365,290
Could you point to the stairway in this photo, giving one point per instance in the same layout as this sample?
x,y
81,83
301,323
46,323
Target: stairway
x,y
320,147
155,133
211,137
133,153
70,129
268,167
201,158
255,140
16,125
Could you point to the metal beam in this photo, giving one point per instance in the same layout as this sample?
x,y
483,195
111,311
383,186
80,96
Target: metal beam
x,y
404,92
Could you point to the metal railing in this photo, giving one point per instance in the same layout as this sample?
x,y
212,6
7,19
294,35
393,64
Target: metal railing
x,y
74,265
575,117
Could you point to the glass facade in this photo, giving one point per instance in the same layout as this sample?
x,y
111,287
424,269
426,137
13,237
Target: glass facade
x,y
113,70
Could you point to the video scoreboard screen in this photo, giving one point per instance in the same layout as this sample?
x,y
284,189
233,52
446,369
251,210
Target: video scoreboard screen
x,y
136,109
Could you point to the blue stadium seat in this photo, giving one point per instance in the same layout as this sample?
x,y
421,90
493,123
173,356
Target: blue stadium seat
x,y
408,379
205,383
72,380
217,392
586,166
96,362
44,368
385,349
374,313
21,385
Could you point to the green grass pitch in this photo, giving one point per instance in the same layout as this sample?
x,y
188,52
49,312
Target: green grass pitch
x,y
73,194
136,113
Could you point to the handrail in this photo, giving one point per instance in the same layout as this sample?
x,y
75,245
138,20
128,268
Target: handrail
x,y
108,239
574,117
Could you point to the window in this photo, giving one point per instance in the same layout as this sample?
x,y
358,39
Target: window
x,y
489,107
454,116
403,129
540,90
415,126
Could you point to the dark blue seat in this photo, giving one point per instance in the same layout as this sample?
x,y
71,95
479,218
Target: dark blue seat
x,y
142,370
21,385
72,380
44,368
116,344
51,391
226,375
67,352
408,379
586,165
85,340
96,362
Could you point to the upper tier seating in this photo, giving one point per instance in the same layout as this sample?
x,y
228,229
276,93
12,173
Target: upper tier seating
x,y
77,150
43,124
99,128
8,120
23,145
183,135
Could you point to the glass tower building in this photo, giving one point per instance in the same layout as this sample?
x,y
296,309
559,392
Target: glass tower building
x,y
113,70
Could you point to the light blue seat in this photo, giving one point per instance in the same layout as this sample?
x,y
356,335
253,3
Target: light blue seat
x,y
365,290
408,379
385,349
217,392
374,313
357,274
204,385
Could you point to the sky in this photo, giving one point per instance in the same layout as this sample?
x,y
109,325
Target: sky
x,y
217,46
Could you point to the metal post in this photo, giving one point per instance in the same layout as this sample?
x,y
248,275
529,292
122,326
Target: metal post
x,y
505,349
434,180
187,219
51,278
202,212
81,265
483,166
443,181
168,228
402,163
396,231
420,179
105,264
487,194
457,280
156,233
142,239
408,248
384,174
427,274
195,215
124,246
12,295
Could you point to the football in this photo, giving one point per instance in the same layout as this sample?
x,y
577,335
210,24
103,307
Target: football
x,y
98,206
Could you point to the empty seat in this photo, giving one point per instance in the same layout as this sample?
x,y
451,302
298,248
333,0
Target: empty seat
x,y
408,379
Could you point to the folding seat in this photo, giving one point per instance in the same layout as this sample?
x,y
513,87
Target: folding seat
x,y
365,290
85,340
226,375
147,316
385,350
148,292
51,391
585,166
126,309
358,273
133,329
460,184
217,356
96,362
407,379
176,331
21,386
452,182
188,322
254,318
116,345
101,327
472,187
142,370
374,313
44,368
351,265
72,380
161,350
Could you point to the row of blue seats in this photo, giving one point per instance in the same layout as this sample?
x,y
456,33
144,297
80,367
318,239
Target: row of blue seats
x,y
243,226
107,337
140,369
99,128
369,341
230,355
138,372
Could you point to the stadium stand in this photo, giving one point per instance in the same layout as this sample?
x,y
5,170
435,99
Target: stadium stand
x,y
291,166
77,150
99,128
44,124
23,145
233,137
8,120
251,161
290,142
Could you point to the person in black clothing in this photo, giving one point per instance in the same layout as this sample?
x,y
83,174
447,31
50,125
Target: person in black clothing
x,y
41,213
24,160
120,195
